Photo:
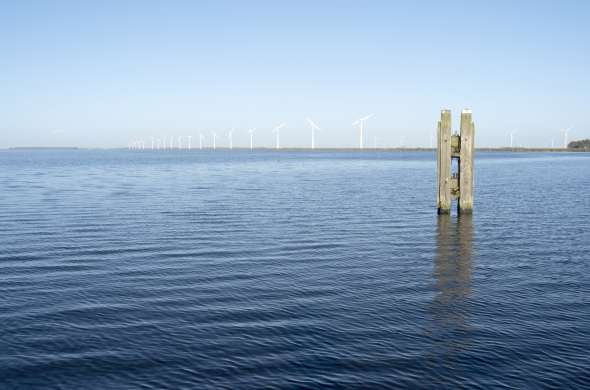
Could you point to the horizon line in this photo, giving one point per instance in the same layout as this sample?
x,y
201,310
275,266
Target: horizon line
x,y
287,149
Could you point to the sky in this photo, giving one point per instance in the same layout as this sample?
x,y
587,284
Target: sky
x,y
104,73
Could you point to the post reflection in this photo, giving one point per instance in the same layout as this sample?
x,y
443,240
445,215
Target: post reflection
x,y
452,274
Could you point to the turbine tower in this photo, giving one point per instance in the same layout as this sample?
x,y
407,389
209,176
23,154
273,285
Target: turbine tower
x,y
179,142
277,131
153,141
314,127
230,135
511,140
214,138
190,137
200,141
361,124
565,133
251,132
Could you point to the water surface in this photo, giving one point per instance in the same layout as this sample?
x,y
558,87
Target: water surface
x,y
141,269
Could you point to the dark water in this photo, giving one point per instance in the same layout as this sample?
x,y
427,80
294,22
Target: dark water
x,y
171,270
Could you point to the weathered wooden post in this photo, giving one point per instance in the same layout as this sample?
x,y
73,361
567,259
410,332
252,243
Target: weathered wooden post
x,y
460,147
466,163
443,201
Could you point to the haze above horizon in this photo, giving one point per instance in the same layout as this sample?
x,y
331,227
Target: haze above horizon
x,y
99,74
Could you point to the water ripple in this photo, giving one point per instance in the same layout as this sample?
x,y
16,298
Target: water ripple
x,y
293,270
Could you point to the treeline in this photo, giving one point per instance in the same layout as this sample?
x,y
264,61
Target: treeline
x,y
581,144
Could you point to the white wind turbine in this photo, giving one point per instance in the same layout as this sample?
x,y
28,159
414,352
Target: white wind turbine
x,y
153,141
361,124
314,127
200,141
511,140
179,142
190,137
214,138
251,132
277,131
565,134
230,135
136,145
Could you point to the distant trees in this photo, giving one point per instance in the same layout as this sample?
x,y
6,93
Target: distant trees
x,y
581,144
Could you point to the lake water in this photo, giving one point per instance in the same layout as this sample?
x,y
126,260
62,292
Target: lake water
x,y
171,270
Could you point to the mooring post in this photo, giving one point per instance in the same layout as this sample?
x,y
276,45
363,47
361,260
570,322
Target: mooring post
x,y
460,147
443,201
466,163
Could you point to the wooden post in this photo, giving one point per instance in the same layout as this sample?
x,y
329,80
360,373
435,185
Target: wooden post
x,y
443,200
461,147
466,163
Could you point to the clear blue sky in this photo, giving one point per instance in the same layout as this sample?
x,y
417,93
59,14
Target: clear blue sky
x,y
99,73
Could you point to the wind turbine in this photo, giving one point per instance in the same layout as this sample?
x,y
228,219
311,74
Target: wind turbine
x,y
251,132
565,133
277,131
179,142
230,135
314,127
511,140
190,137
200,141
152,142
361,124
214,138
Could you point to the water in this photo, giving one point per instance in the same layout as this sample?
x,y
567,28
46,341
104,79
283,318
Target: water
x,y
156,270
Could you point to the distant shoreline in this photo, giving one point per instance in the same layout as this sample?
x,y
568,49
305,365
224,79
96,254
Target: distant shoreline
x,y
287,149
43,148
